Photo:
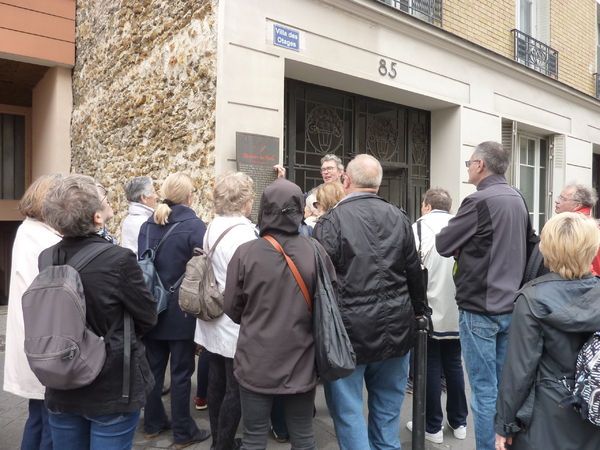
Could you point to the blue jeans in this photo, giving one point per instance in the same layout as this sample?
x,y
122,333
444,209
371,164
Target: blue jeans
x,y
386,385
79,432
445,354
37,434
483,340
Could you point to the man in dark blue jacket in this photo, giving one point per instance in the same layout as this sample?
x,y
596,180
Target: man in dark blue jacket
x,y
488,238
372,247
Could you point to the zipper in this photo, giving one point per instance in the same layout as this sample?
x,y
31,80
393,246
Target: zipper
x,y
65,354
71,293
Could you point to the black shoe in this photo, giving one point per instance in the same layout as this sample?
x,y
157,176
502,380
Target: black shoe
x,y
167,426
200,436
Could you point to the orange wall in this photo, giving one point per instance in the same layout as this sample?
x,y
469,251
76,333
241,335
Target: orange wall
x,y
38,30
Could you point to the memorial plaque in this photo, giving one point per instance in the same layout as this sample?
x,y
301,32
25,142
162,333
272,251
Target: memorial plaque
x,y
256,155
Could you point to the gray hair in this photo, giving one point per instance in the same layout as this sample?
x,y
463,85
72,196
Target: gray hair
x,y
136,187
335,159
494,156
70,206
584,194
365,172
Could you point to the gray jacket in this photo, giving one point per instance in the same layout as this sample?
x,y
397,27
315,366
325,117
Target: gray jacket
x,y
553,318
490,230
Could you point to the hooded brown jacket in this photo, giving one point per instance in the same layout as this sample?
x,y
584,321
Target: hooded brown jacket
x,y
275,349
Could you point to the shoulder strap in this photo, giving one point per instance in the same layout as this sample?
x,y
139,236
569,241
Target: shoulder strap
x,y
212,249
81,259
162,240
294,270
420,240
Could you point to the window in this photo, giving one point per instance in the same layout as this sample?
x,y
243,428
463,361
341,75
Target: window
x,y
531,176
12,156
526,17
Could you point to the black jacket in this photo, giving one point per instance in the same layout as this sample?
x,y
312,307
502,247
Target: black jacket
x,y
275,349
553,318
372,247
112,282
490,230
171,259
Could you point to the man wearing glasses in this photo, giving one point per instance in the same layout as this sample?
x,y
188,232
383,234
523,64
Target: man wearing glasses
x,y
332,170
581,199
487,237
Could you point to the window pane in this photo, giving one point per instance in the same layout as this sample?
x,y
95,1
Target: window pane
x,y
12,156
526,185
523,151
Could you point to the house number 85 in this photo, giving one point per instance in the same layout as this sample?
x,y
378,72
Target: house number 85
x,y
383,70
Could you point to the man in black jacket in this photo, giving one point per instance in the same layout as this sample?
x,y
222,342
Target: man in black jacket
x,y
372,247
488,238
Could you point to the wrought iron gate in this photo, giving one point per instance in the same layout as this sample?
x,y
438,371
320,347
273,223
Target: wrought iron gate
x,y
321,121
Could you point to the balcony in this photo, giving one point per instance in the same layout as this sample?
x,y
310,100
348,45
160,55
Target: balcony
x,y
535,54
427,10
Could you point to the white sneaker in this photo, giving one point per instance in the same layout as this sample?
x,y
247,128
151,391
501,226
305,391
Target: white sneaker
x,y
436,438
460,432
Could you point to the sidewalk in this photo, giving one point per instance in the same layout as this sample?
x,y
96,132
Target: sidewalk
x,y
13,413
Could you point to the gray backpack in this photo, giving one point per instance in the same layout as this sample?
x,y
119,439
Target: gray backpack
x,y
63,352
199,293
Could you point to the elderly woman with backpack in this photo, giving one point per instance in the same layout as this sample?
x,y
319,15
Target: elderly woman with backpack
x,y
554,315
173,335
233,196
103,414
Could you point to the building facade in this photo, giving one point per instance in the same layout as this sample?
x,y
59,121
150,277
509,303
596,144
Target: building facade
x,y
37,52
163,85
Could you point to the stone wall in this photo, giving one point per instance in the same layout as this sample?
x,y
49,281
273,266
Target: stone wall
x,y
144,94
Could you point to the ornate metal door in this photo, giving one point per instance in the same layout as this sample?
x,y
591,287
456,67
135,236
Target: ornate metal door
x,y
321,121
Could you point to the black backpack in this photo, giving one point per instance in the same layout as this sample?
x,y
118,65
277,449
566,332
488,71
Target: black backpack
x,y
535,260
151,277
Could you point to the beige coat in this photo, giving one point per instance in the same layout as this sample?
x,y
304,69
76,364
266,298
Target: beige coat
x,y
32,237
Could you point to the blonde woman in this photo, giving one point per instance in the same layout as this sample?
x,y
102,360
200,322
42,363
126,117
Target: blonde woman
x,y
174,333
329,195
233,196
554,315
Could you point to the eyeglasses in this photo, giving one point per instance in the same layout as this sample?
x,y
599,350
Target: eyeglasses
x,y
328,169
562,199
99,186
469,162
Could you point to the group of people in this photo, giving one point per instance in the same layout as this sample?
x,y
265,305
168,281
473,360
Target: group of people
x,y
261,350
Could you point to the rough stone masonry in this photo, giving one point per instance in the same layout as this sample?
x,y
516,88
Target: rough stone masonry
x,y
144,94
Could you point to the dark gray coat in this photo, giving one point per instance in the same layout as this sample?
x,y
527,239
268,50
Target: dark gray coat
x,y
372,247
553,318
275,349
490,230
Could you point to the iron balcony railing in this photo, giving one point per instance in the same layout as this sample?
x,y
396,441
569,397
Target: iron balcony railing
x,y
427,10
597,78
535,54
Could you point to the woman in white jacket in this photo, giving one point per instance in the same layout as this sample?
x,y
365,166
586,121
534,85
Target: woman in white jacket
x,y
233,196
33,236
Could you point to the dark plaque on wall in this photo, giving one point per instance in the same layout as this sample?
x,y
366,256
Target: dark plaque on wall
x,y
256,155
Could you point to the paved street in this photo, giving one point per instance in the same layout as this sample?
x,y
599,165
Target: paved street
x,y
13,413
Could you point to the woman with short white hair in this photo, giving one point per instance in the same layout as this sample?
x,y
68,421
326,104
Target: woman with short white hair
x,y
554,315
233,196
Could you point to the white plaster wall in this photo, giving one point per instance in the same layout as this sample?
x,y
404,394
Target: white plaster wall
x,y
469,90
51,121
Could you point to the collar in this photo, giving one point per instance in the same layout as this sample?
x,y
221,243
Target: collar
x,y
490,180
179,213
139,209
586,211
